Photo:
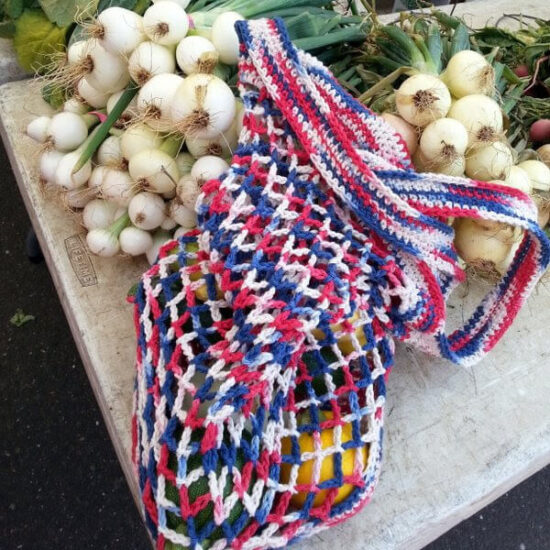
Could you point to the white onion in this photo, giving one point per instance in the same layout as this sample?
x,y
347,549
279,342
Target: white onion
x,y
185,162
138,137
154,170
150,59
188,190
208,168
93,97
66,131
147,210
519,179
119,30
160,238
110,153
165,23
117,186
98,214
80,197
63,173
422,99
224,37
203,106
37,128
49,161
102,242
443,139
467,73
490,162
154,101
489,242
181,214
538,173
481,116
96,178
404,129
135,241
196,54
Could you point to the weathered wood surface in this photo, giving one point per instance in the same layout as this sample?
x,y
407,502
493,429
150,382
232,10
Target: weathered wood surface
x,y
455,439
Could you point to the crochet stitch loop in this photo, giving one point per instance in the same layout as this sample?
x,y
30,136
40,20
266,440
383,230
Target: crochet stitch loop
x,y
272,324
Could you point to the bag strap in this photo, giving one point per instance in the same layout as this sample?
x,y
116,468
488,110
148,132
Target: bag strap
x,y
360,159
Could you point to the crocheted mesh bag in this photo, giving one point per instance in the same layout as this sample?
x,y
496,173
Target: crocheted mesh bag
x,y
265,337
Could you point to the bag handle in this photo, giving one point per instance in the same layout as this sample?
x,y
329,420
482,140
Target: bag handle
x,y
407,209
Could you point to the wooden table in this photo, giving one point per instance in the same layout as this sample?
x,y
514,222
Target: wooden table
x,y
456,439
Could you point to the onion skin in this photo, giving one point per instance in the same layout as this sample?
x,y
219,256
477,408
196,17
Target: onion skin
x,y
482,242
404,129
540,131
544,154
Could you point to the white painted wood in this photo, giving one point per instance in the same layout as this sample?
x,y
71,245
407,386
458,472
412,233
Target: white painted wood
x,y
456,439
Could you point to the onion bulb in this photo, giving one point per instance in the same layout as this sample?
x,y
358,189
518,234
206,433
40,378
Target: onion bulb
x,y
165,23
98,214
160,238
443,140
467,73
182,215
544,154
135,241
422,99
491,162
203,106
196,54
138,137
224,37
64,176
404,129
481,116
117,186
119,30
188,190
147,211
538,173
37,129
543,208
150,59
482,242
154,170
93,97
449,166
208,168
110,153
185,162
49,161
66,131
154,101
519,179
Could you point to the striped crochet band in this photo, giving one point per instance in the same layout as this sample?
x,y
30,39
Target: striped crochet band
x,y
406,208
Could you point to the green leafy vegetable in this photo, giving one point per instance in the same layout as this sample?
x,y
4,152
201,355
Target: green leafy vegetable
x,y
20,318
36,39
62,12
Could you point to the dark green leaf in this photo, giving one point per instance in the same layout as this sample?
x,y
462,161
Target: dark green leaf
x,y
435,46
14,8
104,4
63,12
461,39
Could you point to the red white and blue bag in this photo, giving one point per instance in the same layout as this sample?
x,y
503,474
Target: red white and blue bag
x,y
265,337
